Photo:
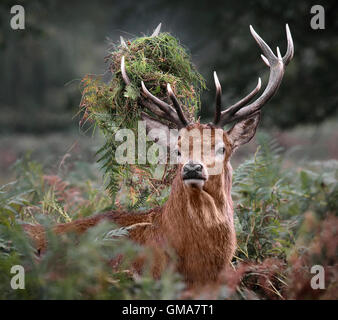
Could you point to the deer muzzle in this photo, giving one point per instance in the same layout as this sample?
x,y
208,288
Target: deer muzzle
x,y
194,173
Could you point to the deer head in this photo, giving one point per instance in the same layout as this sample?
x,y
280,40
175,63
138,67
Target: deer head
x,y
197,169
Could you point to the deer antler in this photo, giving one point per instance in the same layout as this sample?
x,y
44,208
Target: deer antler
x,y
277,64
157,106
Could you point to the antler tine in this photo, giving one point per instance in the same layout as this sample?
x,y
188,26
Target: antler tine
x,y
265,60
290,48
165,111
218,99
124,73
227,114
277,67
156,31
123,43
262,44
165,107
177,106
155,109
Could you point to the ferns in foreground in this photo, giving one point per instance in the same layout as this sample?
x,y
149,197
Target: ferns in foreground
x,y
286,220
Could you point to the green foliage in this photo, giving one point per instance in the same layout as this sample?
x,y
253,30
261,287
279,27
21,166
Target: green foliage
x,y
78,272
273,204
271,200
69,271
113,105
154,60
260,189
285,217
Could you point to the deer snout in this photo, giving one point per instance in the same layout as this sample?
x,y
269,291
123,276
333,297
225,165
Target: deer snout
x,y
194,174
192,167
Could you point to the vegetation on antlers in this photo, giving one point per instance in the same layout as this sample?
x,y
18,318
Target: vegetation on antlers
x,y
154,60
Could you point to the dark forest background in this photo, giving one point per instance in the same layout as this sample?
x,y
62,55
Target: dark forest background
x,y
41,66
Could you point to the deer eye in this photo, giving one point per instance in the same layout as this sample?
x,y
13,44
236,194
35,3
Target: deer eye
x,y
177,152
221,151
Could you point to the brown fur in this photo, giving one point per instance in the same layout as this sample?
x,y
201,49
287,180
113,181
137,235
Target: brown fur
x,y
196,223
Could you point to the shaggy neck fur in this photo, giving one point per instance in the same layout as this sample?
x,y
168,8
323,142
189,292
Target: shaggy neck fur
x,y
199,225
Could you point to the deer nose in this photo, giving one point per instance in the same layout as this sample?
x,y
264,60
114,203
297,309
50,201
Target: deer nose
x,y
192,166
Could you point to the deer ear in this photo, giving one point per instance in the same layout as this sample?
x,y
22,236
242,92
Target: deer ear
x,y
242,132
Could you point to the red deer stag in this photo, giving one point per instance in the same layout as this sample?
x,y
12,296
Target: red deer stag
x,y
197,220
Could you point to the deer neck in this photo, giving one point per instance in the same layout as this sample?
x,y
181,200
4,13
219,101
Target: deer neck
x,y
194,208
198,225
